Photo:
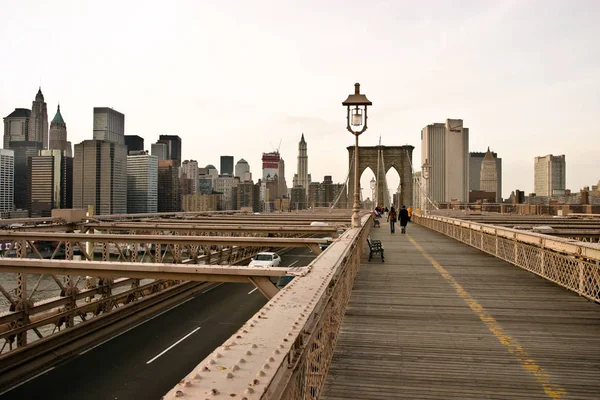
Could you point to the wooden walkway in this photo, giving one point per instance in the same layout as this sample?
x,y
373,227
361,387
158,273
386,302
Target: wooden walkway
x,y
441,320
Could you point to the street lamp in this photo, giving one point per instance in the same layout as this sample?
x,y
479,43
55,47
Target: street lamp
x,y
426,169
356,117
373,184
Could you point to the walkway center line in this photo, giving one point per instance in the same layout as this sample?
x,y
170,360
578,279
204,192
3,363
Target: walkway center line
x,y
554,391
173,345
252,291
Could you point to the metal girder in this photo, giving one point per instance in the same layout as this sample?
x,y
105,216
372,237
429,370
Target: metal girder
x,y
265,286
188,272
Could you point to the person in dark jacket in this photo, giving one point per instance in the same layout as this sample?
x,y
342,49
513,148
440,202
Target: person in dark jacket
x,y
392,219
403,216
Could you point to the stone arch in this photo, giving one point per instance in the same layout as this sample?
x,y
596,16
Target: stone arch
x,y
398,157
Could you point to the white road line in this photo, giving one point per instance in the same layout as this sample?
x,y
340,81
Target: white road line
x,y
214,287
292,264
135,326
252,291
30,379
173,345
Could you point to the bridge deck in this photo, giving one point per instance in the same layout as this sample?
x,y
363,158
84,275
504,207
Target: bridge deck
x,y
446,321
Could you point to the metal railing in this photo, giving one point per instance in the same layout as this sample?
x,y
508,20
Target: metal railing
x,y
285,349
569,263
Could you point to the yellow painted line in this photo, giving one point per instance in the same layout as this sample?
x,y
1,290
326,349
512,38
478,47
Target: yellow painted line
x,y
552,390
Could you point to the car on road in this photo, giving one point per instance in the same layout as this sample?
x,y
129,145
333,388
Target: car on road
x,y
265,259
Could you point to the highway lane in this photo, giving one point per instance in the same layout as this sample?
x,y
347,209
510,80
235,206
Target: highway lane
x,y
148,360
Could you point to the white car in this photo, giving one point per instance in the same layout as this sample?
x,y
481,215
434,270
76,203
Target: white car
x,y
265,259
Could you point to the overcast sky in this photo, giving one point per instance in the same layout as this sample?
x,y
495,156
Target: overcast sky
x,y
239,77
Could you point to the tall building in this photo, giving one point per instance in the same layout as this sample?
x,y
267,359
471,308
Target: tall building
x,y
283,189
169,195
7,180
142,183
241,167
16,126
38,121
51,182
173,143
160,150
100,176
58,135
270,165
489,174
109,125
302,172
23,153
134,143
224,184
189,170
445,146
475,162
227,165
245,196
550,175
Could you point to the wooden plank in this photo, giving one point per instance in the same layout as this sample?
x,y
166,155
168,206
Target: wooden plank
x,y
408,334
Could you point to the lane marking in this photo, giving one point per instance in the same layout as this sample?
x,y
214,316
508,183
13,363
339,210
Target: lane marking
x,y
173,345
135,326
252,291
292,264
214,287
554,391
30,379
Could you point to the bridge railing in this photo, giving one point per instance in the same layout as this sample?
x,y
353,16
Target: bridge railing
x,y
569,263
285,349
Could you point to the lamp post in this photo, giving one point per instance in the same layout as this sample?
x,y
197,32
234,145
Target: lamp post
x,y
373,184
425,170
356,105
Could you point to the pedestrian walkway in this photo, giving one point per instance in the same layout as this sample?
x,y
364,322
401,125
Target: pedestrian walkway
x,y
441,320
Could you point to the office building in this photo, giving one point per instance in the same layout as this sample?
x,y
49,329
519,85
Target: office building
x,y
51,182
173,143
58,135
241,167
189,170
7,180
445,146
142,183
224,185
16,126
100,176
302,172
23,152
283,189
475,163
550,175
134,143
270,165
489,175
160,150
200,202
169,195
227,165
245,196
38,121
109,125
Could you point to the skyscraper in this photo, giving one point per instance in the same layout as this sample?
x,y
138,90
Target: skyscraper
x,y
58,135
550,175
38,122
134,143
142,183
7,180
23,153
51,182
475,162
109,125
16,126
189,170
227,165
270,165
100,176
241,167
302,172
446,147
159,150
169,196
173,143
489,174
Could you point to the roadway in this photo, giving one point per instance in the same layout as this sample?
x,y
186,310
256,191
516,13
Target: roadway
x,y
147,360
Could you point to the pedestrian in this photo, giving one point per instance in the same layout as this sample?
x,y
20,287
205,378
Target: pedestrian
x,y
392,219
403,214
409,213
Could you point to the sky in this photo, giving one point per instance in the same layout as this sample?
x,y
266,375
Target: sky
x,y
245,77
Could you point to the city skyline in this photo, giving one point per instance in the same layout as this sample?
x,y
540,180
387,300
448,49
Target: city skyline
x,y
505,82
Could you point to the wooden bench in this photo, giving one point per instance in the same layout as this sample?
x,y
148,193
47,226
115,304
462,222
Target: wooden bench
x,y
375,247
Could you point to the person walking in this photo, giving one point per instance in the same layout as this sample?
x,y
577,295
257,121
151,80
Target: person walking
x,y
403,214
392,219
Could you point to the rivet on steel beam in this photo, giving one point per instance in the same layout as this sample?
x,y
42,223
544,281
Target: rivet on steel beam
x,y
212,361
218,355
242,361
214,391
260,373
276,351
235,367
229,375
179,393
271,359
254,346
205,368
281,346
188,383
248,353
251,325
266,366
197,376
249,390
254,382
